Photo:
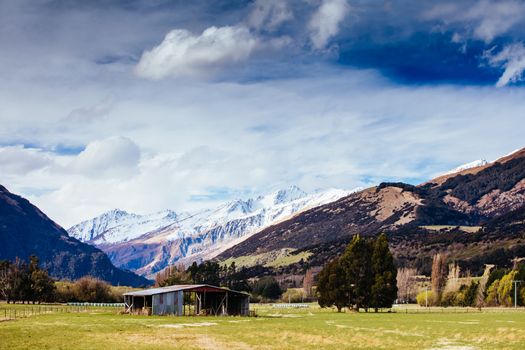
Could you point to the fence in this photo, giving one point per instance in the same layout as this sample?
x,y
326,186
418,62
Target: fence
x,y
434,309
120,305
13,313
290,306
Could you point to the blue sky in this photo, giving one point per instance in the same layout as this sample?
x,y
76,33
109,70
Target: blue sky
x,y
148,105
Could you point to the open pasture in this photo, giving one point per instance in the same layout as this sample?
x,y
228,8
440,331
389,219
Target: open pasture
x,y
310,328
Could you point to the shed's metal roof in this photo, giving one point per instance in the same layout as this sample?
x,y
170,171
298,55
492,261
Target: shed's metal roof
x,y
179,287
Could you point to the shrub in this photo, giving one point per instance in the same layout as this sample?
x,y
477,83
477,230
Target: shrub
x,y
64,292
470,294
293,295
492,294
422,297
452,299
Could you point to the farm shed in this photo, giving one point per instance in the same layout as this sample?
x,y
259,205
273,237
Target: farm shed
x,y
196,299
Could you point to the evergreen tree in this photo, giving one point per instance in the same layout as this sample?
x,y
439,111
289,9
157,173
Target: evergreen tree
x,y
267,287
364,276
384,287
21,281
470,294
207,273
332,288
356,263
42,286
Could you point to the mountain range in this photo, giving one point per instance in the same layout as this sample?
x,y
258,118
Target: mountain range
x,y
453,213
26,231
149,243
475,214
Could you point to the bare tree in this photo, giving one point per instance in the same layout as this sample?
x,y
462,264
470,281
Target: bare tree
x,y
439,274
406,284
171,274
308,282
5,281
453,283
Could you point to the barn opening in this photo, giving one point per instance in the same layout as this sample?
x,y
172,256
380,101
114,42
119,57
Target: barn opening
x,y
180,300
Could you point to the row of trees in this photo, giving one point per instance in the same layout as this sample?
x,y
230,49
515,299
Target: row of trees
x,y
497,287
502,289
209,272
20,281
27,282
363,277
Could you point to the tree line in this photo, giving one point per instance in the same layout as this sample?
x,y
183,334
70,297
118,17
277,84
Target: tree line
x,y
496,287
363,277
28,283
208,272
229,276
25,282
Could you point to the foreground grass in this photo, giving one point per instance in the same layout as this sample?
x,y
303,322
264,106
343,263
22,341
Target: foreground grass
x,y
273,329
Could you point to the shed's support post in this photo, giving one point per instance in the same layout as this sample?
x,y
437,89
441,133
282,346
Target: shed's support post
x,y
200,304
226,303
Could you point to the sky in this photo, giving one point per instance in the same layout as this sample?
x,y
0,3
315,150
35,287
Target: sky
x,y
146,105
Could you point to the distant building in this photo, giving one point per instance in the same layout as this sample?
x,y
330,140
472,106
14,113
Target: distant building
x,y
196,299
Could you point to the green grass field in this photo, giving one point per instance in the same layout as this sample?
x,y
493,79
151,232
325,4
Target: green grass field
x,y
311,328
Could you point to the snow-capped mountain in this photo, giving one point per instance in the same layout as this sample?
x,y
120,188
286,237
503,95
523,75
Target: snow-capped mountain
x,y
118,225
148,243
474,164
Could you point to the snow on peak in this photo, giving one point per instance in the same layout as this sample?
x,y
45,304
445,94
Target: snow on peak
x,y
203,233
467,166
511,153
289,194
118,225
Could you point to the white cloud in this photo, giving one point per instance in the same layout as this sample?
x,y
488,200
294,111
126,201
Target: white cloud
x,y
485,19
92,113
512,59
495,17
328,128
335,129
269,14
20,160
182,53
113,157
325,22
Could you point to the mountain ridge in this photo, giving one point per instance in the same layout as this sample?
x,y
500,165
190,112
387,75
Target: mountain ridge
x,y
468,197
25,230
195,236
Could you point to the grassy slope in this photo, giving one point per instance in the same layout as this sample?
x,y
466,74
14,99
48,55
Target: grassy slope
x,y
468,229
273,329
276,258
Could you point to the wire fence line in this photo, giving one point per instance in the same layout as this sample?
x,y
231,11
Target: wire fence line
x,y
120,305
437,309
12,313
290,306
